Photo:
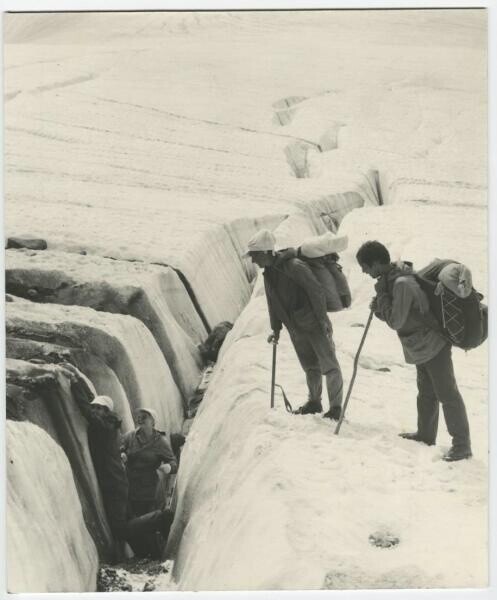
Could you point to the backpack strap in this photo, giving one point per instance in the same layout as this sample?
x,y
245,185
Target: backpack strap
x,y
434,318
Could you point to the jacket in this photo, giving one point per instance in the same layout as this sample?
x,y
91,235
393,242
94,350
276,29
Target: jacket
x,y
104,440
144,457
294,296
403,305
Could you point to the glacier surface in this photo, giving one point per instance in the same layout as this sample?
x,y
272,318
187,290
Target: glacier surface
x,y
170,138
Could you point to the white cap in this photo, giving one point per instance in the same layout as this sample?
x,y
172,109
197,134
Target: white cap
x,y
103,401
150,411
262,241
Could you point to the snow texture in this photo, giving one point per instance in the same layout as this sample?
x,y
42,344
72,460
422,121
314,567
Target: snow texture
x,y
44,519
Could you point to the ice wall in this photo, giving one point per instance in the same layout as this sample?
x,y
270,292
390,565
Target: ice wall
x,y
44,515
41,395
103,378
122,342
151,293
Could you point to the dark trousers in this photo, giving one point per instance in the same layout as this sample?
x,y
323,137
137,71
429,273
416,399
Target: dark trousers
x,y
142,507
143,527
437,384
140,528
316,353
147,534
116,510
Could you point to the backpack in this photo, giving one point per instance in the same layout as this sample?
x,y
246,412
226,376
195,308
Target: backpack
x,y
329,273
320,253
463,321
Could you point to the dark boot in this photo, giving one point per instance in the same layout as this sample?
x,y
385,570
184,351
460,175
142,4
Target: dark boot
x,y
457,454
416,437
309,408
334,413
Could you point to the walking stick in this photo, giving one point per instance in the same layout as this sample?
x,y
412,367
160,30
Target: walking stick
x,y
354,372
273,374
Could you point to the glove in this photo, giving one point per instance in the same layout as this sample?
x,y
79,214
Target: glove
x,y
165,468
373,305
124,457
273,337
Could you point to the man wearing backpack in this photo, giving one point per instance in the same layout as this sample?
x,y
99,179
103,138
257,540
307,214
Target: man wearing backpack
x,y
402,304
296,299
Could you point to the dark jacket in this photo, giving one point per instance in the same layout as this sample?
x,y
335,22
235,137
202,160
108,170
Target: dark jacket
x,y
144,457
104,440
403,305
295,297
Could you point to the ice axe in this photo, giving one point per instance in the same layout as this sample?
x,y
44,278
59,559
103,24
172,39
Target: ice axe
x,y
273,372
354,372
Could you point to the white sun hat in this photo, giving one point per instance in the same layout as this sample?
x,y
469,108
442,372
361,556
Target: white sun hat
x,y
149,411
103,401
262,241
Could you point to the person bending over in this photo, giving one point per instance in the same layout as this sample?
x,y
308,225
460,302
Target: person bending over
x,y
403,305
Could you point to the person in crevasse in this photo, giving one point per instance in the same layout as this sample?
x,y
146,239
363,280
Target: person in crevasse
x,y
146,451
104,441
403,305
296,299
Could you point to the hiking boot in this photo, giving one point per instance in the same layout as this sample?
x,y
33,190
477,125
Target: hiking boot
x,y
416,437
334,413
309,408
457,454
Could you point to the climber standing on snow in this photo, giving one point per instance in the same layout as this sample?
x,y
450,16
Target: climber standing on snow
x,y
402,304
296,299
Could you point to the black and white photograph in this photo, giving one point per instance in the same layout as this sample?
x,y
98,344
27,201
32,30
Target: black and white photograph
x,y
246,299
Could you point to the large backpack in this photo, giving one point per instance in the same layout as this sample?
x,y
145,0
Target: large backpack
x,y
320,253
463,321
329,273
